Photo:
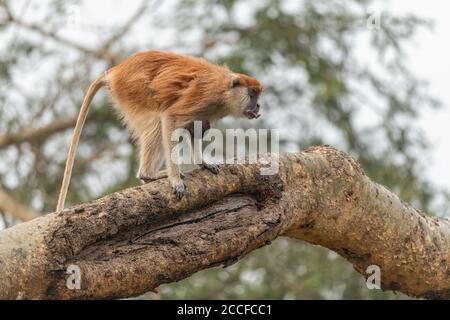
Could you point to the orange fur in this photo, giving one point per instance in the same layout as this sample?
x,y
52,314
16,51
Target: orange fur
x,y
158,92
157,81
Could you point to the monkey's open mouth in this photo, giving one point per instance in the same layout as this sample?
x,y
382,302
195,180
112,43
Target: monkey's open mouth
x,y
252,113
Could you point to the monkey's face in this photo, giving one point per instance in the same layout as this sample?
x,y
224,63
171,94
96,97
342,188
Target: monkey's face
x,y
251,111
245,95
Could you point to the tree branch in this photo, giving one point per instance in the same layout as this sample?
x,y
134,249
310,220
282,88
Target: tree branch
x,y
103,52
99,54
9,205
55,37
125,28
36,134
132,241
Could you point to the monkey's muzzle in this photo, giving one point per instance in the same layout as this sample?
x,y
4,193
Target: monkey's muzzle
x,y
253,113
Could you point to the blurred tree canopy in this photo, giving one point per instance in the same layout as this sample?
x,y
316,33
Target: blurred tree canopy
x,y
331,78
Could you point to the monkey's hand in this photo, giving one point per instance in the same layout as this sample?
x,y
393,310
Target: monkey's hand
x,y
214,168
178,187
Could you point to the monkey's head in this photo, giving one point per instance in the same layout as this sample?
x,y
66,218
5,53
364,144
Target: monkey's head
x,y
243,98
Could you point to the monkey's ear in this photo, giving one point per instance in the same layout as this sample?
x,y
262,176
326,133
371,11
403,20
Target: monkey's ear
x,y
236,82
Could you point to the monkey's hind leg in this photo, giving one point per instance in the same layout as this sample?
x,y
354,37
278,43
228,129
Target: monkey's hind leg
x,y
161,174
150,153
156,176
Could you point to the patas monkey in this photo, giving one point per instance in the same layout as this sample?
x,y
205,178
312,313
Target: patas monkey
x,y
158,92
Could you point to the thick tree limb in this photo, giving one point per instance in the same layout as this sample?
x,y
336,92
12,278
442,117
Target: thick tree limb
x,y
130,242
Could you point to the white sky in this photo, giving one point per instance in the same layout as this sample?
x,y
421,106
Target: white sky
x,y
429,58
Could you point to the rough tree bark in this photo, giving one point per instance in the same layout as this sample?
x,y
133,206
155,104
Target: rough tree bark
x,y
130,242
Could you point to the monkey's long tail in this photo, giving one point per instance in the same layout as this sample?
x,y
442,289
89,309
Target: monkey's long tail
x,y
94,87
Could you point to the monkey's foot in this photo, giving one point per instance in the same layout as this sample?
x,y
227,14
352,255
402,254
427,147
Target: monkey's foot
x,y
214,168
179,188
145,179
159,175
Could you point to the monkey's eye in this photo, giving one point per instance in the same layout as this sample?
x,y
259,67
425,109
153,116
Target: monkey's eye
x,y
252,92
236,82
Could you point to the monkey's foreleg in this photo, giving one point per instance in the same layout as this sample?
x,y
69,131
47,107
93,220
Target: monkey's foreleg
x,y
173,171
197,153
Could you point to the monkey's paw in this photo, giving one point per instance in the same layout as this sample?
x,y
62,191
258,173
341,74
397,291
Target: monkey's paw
x,y
179,189
214,168
157,176
145,179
